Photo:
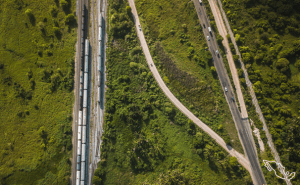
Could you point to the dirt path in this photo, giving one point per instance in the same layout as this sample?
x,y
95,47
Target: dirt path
x,y
241,159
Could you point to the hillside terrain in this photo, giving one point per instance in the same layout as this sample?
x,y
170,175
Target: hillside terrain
x,y
180,52
146,139
37,41
267,33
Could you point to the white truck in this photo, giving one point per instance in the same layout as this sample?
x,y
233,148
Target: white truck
x,y
200,1
209,29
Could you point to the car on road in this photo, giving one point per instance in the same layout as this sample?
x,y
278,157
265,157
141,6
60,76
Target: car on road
x,y
208,38
226,89
217,52
151,65
232,98
140,28
204,25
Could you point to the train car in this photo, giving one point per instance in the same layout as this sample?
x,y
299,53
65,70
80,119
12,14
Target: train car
x,y
84,98
86,64
81,77
87,47
99,94
79,133
80,103
83,140
84,116
99,63
100,20
78,147
85,84
78,178
82,12
99,80
80,118
100,35
82,177
78,163
80,90
83,157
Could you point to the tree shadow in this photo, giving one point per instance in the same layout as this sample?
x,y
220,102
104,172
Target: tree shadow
x,y
32,20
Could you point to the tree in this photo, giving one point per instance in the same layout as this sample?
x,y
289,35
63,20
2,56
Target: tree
x,y
128,9
213,69
282,64
41,26
64,3
233,161
96,180
69,18
246,57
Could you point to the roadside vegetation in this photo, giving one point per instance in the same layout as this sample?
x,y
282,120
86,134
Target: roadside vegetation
x,y
180,52
267,33
146,139
37,40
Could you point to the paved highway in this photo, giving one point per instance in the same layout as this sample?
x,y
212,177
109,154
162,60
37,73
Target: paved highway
x,y
243,130
241,159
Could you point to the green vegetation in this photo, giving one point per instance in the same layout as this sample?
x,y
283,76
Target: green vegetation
x,y
146,139
179,50
36,92
267,33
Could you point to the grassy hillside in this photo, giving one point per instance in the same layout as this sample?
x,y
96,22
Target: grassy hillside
x,y
37,40
179,49
146,139
267,33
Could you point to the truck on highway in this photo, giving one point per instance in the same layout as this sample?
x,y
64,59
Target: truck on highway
x,y
200,1
209,29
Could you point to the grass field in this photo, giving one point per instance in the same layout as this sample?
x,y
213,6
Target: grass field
x,y
37,42
146,139
179,49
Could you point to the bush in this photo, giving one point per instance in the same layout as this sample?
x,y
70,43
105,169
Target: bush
x,y
41,26
53,11
28,12
282,64
56,30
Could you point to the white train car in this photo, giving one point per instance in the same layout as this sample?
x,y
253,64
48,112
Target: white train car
x,y
87,46
100,20
78,177
83,141
79,133
80,90
86,64
80,118
85,84
100,34
78,147
82,178
84,98
99,94
99,63
84,117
